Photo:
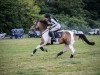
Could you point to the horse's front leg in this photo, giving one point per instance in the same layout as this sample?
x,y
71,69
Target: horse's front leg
x,y
42,48
44,41
39,46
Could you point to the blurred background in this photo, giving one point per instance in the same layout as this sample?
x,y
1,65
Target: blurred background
x,y
76,15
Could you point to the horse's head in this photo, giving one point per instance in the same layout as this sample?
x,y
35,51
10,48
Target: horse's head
x,y
41,24
37,24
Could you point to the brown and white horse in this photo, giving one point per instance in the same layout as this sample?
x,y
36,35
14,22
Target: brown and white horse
x,y
67,38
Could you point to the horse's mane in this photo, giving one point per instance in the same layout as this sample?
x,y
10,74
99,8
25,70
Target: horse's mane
x,y
44,21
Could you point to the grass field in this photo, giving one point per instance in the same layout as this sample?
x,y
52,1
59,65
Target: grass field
x,y
15,58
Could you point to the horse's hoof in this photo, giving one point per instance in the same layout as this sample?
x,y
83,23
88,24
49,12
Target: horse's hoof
x,y
31,54
46,50
71,56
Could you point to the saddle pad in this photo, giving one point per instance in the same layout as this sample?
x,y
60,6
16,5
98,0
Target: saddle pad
x,y
57,34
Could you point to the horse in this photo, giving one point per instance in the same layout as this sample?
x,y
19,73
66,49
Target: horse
x,y
67,38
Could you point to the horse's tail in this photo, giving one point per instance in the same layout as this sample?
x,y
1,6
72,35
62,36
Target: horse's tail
x,y
84,38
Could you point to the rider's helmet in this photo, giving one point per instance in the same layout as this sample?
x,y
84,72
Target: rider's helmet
x,y
47,15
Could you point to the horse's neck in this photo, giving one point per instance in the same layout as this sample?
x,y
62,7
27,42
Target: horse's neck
x,y
43,28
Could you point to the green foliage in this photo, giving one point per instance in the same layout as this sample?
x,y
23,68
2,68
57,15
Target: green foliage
x,y
93,23
71,13
28,8
70,7
93,8
8,11
78,23
17,14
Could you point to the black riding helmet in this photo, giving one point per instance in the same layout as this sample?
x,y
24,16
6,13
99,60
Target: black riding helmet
x,y
47,15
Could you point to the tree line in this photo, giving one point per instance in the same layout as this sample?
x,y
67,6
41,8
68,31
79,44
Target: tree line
x,y
72,14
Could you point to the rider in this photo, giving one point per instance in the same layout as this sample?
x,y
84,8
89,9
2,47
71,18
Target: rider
x,y
55,26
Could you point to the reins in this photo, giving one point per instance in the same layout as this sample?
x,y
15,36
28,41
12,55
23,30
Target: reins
x,y
45,31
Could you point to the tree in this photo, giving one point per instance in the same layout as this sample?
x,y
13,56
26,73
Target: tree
x,y
93,9
70,7
16,14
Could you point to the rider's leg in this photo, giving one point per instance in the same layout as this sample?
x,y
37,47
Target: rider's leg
x,y
54,29
53,36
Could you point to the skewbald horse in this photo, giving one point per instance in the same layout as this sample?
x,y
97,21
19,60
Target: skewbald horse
x,y
67,38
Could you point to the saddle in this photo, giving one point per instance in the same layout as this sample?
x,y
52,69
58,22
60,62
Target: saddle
x,y
57,34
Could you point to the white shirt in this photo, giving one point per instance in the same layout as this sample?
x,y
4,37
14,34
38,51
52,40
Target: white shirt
x,y
55,25
53,22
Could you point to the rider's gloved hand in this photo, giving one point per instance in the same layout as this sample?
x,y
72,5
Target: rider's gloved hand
x,y
49,27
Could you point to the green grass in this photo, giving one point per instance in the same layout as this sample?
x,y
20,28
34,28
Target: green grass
x,y
15,58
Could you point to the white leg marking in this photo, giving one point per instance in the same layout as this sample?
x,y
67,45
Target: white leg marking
x,y
65,48
41,45
45,38
72,42
72,49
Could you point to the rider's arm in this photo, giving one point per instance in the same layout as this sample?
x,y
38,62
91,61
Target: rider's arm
x,y
53,22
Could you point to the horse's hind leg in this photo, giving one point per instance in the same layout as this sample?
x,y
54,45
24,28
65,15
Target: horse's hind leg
x,y
72,50
65,49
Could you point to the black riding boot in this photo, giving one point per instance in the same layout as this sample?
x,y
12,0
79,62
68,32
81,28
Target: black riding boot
x,y
53,36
